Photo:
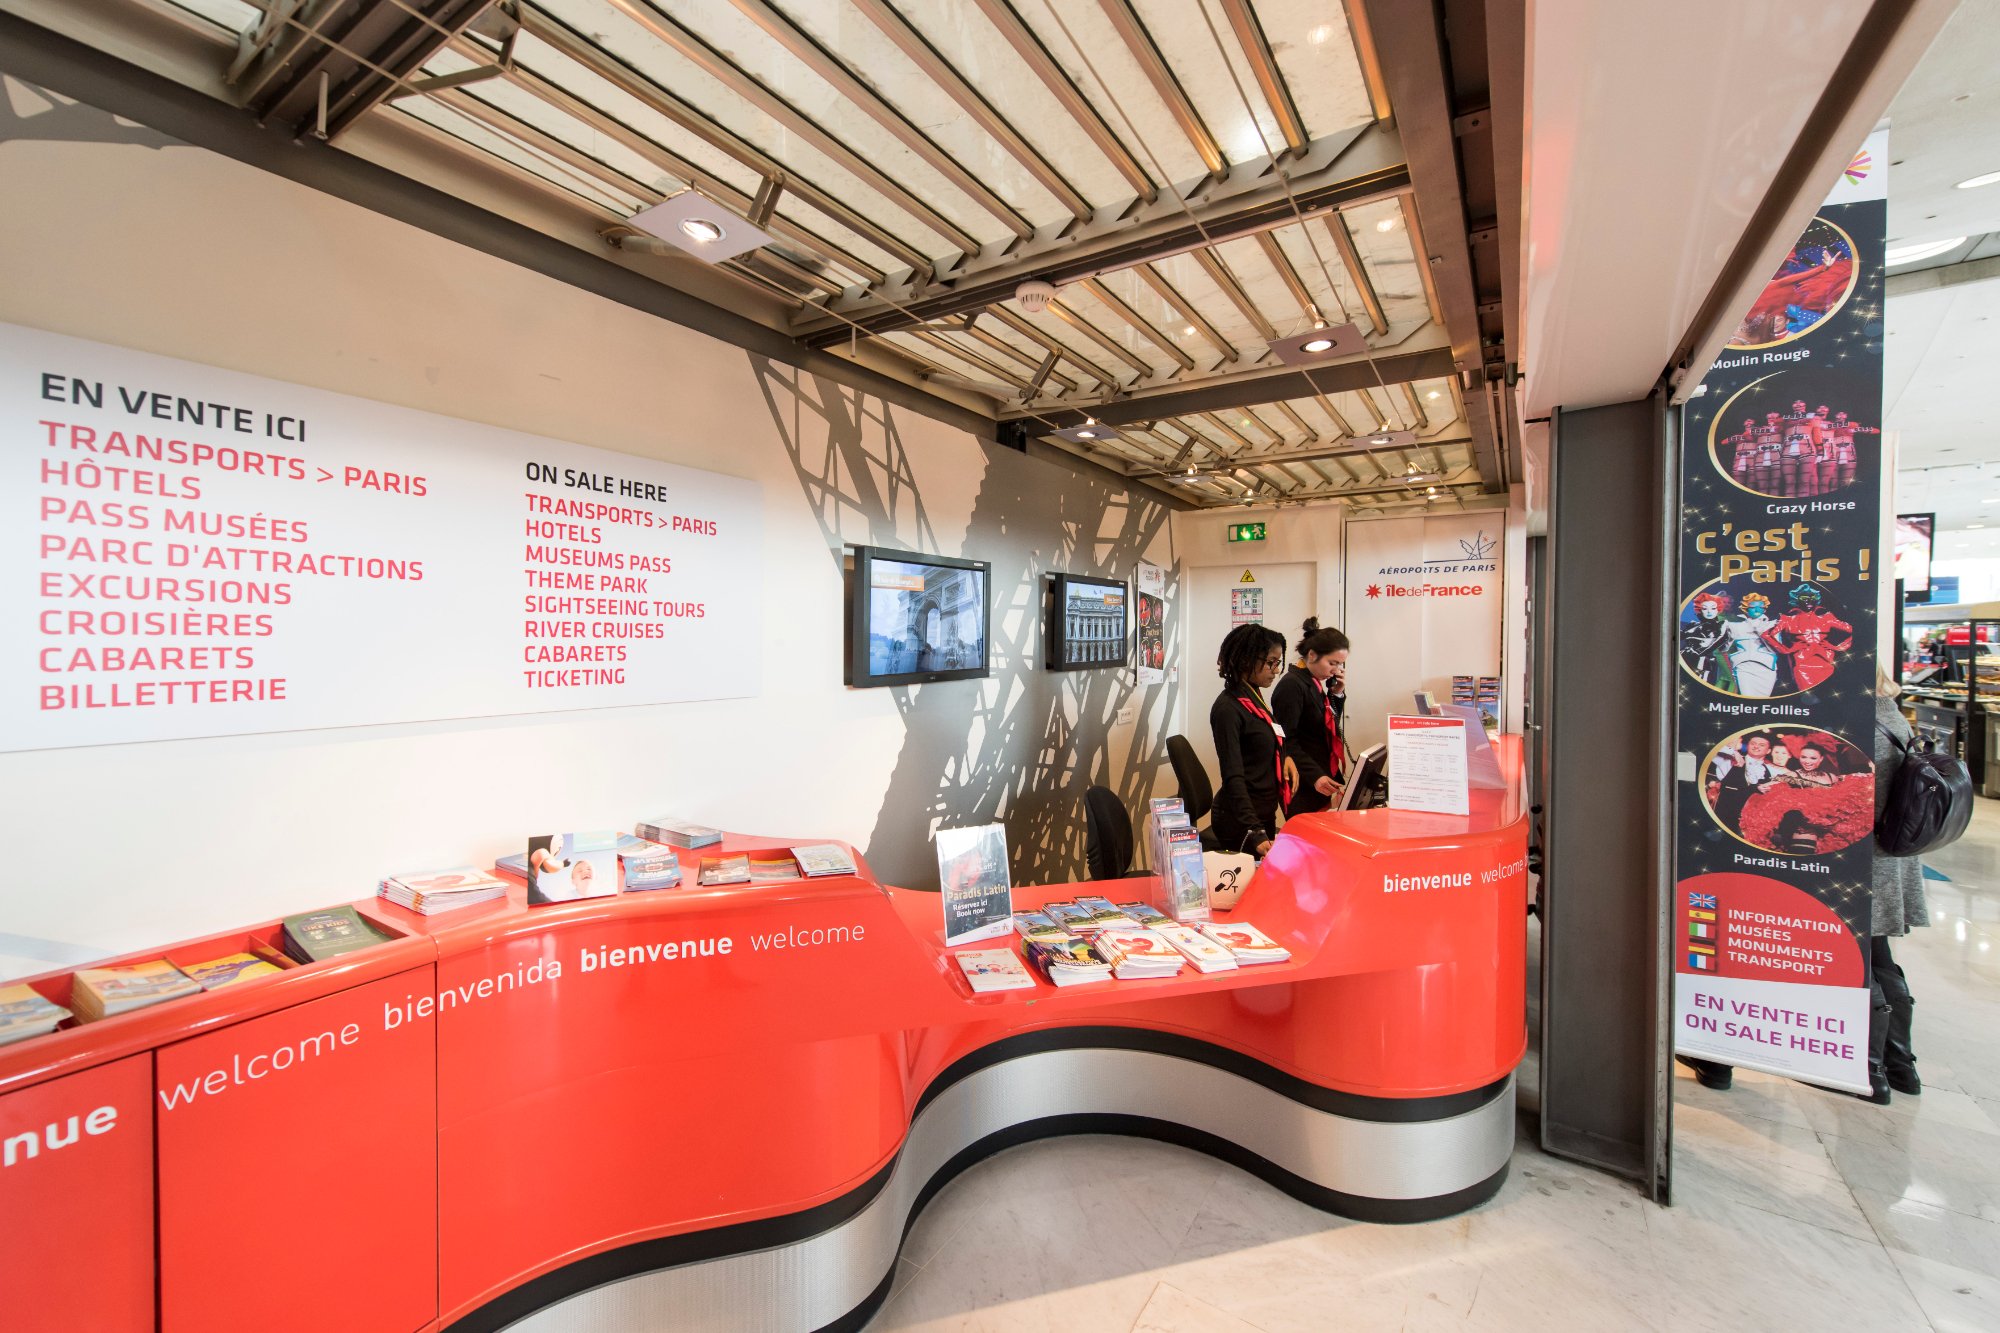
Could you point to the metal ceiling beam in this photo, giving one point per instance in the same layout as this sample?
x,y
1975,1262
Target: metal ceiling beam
x,y
1264,65
132,92
1338,417
954,85
1275,253
1139,322
1166,86
1299,421
616,72
843,80
1352,166
1357,272
1328,451
1265,387
1410,45
1219,274
423,36
1062,349
1196,320
712,63
675,166
1001,345
973,359
1059,85
1101,338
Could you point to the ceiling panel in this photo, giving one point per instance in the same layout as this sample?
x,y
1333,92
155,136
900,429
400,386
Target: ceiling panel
x,y
879,64
921,149
1315,53
613,30
969,42
1084,42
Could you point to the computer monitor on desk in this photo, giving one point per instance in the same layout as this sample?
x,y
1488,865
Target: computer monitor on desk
x,y
1368,782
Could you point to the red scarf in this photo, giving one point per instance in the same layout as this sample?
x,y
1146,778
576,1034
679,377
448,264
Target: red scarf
x,y
1278,756
1333,745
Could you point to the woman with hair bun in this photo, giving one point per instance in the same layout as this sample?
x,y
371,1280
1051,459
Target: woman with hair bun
x,y
1309,703
1249,741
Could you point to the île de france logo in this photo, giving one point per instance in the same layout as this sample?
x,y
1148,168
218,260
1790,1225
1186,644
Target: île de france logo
x,y
1479,547
1374,590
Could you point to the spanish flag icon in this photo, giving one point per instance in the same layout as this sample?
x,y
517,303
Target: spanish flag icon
x,y
1696,914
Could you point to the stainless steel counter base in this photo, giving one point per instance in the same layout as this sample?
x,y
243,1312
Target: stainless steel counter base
x,y
1391,1169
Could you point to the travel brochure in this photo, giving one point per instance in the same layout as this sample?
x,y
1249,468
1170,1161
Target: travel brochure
x,y
1090,939
1177,868
974,883
557,867
569,867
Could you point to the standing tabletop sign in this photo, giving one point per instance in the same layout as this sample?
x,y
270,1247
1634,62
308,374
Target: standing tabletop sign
x,y
1427,765
190,551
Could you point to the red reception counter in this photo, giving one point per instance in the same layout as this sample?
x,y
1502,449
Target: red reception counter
x,y
722,1108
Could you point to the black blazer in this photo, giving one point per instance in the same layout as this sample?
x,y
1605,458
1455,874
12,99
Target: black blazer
x,y
1246,752
1297,703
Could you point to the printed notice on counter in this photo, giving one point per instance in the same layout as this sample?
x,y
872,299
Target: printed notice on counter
x,y
188,551
1427,765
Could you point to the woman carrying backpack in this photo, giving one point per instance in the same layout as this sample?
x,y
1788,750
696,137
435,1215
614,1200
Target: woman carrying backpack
x,y
1899,904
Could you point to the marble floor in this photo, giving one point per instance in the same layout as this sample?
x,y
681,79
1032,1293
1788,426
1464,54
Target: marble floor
x,y
1794,1208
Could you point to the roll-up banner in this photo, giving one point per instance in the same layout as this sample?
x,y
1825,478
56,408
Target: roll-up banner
x,y
1781,493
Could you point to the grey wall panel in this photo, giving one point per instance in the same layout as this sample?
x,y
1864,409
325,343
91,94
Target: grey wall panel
x,y
1603,711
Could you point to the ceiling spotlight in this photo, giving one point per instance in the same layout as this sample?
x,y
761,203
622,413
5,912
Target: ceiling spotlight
x,y
1386,224
1188,332
1378,439
697,225
1314,345
1320,34
1975,525
1434,395
1086,435
1990,178
1430,490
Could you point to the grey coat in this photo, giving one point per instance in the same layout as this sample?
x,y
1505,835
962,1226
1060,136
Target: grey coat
x,y
1899,880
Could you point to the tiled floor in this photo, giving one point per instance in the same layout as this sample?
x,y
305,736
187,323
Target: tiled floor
x,y
1795,1208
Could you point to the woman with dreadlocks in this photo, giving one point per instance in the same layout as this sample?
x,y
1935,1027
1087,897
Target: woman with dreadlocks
x,y
1249,743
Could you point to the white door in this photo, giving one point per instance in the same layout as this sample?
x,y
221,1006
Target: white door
x,y
1289,595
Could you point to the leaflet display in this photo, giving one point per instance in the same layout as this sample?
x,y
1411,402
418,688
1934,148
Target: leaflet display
x,y
1427,765
191,551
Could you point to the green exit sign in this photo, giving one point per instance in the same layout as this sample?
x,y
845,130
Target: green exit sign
x,y
1246,532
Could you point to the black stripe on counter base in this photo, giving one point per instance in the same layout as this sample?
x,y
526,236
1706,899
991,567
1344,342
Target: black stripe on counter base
x,y
1359,1207
649,1256
1348,1105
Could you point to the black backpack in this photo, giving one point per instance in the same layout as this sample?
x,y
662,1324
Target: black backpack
x,y
1930,801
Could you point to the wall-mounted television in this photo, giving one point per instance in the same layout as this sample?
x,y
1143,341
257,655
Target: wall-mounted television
x,y
1088,623
1916,536
918,618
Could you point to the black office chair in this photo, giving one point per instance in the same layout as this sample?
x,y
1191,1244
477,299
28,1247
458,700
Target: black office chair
x,y
1197,796
1107,835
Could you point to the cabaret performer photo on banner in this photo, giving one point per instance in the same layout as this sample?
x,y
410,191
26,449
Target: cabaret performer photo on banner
x,y
1757,640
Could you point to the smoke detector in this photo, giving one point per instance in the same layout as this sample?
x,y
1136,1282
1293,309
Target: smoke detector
x,y
1034,297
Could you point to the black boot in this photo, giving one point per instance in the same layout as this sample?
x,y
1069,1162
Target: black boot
x,y
1710,1074
1896,1053
1878,1038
